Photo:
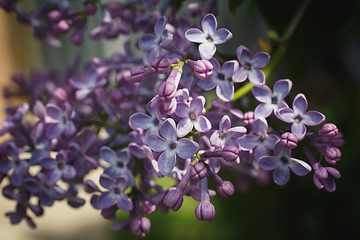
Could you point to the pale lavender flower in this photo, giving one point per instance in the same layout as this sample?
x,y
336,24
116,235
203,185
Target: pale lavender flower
x,y
220,79
115,194
153,42
118,164
271,101
260,141
282,162
299,117
192,116
227,135
249,65
209,37
169,146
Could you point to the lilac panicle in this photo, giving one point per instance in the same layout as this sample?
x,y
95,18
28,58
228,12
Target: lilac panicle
x,y
249,65
298,117
209,37
170,147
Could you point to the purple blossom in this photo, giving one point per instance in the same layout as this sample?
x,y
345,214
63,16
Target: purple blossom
x,y
298,117
271,101
226,135
115,194
60,120
86,84
58,168
249,65
118,164
209,37
192,116
220,79
170,147
282,162
153,42
260,141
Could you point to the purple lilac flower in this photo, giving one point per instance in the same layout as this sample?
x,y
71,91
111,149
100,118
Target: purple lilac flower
x,y
282,162
60,121
145,122
115,194
260,141
220,79
299,117
169,146
86,84
209,37
226,135
58,168
271,101
118,164
153,42
192,116
249,65
14,120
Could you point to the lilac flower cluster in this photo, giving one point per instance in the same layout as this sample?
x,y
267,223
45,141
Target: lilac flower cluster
x,y
138,119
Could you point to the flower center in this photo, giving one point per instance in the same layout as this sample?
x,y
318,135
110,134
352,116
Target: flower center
x,y
117,191
172,146
61,165
297,119
262,138
192,116
221,76
274,100
284,160
209,39
247,66
120,164
221,135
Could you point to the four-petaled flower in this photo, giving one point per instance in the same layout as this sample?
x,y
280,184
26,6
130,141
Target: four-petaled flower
x,y
115,194
192,117
299,117
260,141
271,101
220,79
282,162
209,37
86,84
168,144
60,121
249,65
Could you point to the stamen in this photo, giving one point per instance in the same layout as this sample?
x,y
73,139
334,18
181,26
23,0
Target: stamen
x,y
262,138
247,66
274,100
192,116
209,39
221,135
297,119
174,145
221,76
117,191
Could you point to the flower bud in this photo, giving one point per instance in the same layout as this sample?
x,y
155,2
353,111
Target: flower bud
x,y
332,155
329,130
160,64
62,26
288,140
198,171
173,199
205,211
202,68
226,189
141,226
249,118
230,153
166,90
337,140
138,73
54,15
60,95
148,207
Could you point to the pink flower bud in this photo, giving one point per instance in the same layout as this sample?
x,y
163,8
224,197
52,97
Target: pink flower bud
x,y
249,118
329,130
230,153
138,73
160,64
166,90
198,171
141,226
173,199
288,140
332,155
148,207
202,68
226,189
205,211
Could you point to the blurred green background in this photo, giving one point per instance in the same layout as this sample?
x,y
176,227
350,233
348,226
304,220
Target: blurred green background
x,y
323,61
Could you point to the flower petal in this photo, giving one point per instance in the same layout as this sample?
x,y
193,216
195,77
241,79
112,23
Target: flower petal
x,y
244,55
202,124
186,148
123,202
240,75
262,93
166,162
286,114
207,83
281,175
225,91
160,26
168,130
229,68
196,106
257,77
195,35
313,118
207,50
157,143
299,167
260,59
299,130
147,41
268,163
222,35
249,141
106,200
140,121
263,110
300,103
209,24
282,88
184,127
108,155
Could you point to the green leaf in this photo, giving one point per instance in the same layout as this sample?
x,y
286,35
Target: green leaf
x,y
233,5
